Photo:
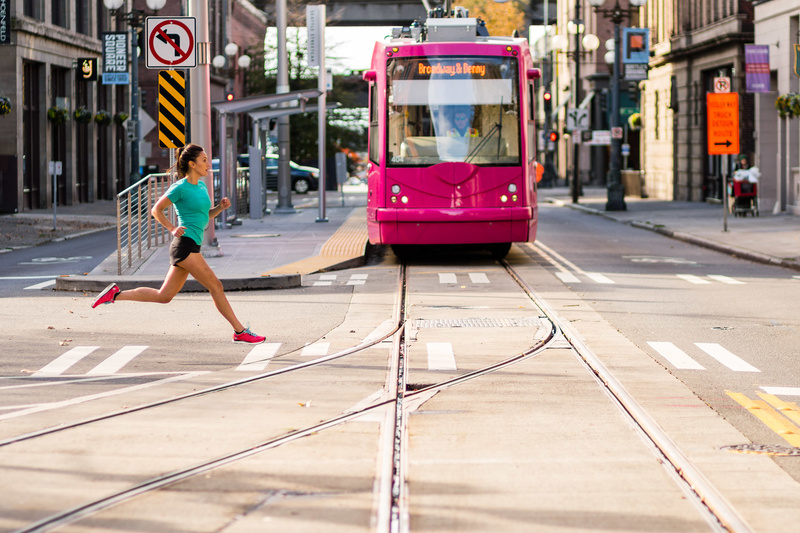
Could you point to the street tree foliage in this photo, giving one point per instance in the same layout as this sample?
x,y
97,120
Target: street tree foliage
x,y
501,19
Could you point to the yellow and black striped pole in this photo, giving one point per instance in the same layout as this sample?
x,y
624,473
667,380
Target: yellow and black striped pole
x,y
171,108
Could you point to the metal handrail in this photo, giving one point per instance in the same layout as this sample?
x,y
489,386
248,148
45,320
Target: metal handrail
x,y
137,230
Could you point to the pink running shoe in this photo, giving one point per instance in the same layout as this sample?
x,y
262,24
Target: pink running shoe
x,y
107,296
248,337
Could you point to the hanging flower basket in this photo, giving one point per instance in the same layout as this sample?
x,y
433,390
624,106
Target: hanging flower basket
x,y
57,115
5,105
120,118
103,117
82,115
635,121
788,105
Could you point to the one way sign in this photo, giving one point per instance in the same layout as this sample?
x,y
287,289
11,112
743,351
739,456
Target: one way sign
x,y
578,119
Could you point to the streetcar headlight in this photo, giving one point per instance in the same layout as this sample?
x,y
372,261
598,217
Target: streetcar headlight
x,y
512,187
404,199
395,189
504,198
394,199
514,198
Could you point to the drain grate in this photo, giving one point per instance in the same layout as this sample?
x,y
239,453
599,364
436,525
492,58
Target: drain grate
x,y
765,449
477,323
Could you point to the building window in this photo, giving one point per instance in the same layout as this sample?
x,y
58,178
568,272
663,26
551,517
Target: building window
x,y
82,17
60,13
33,9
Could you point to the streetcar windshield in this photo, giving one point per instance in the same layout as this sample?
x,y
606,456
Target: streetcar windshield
x,y
462,109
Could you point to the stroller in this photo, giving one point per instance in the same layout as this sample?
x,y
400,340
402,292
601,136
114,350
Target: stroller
x,y
744,191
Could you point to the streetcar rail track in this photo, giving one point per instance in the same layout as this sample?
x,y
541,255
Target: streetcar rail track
x,y
391,494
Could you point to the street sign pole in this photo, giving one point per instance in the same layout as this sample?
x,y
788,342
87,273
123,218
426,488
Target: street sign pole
x,y
200,91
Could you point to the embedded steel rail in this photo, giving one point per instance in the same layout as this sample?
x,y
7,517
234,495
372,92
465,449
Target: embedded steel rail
x,y
695,482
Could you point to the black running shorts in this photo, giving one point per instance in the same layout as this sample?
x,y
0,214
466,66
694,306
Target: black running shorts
x,y
180,249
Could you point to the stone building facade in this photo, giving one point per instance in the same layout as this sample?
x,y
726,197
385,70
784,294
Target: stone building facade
x,y
691,44
40,44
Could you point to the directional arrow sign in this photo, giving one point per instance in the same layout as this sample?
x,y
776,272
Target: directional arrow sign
x,y
723,123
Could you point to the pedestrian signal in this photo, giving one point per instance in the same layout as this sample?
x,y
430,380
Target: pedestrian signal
x,y
229,97
548,96
553,136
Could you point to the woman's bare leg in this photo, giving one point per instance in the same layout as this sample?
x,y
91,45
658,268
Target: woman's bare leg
x,y
176,278
197,266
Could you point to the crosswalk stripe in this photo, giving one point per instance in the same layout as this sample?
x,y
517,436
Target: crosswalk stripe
x,y
676,357
725,357
782,391
116,361
259,357
567,277
693,279
726,279
318,349
39,286
599,278
440,356
478,277
323,283
66,360
447,277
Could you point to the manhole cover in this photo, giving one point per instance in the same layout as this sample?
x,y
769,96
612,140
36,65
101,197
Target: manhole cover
x,y
767,449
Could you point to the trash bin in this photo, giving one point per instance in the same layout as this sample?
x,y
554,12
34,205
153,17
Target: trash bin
x,y
632,182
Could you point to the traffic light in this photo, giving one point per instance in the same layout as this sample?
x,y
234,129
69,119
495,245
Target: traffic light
x,y
229,96
548,96
553,136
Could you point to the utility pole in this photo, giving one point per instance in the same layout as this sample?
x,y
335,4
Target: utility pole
x,y
284,154
200,94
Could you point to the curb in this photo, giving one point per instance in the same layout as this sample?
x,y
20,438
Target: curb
x,y
686,237
98,283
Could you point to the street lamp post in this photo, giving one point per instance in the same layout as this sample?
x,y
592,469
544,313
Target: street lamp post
x,y
616,191
589,43
135,18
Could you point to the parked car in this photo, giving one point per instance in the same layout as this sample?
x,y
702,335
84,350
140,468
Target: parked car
x,y
304,179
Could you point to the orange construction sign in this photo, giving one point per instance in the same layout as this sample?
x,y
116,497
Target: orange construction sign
x,y
723,123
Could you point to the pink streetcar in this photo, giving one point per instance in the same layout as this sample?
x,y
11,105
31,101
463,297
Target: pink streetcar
x,y
452,139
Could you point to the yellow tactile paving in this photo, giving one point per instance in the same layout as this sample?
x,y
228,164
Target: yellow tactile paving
x,y
769,416
347,244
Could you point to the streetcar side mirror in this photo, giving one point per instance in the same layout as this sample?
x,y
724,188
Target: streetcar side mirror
x,y
369,75
534,73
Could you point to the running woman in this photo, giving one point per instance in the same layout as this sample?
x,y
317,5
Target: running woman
x,y
192,203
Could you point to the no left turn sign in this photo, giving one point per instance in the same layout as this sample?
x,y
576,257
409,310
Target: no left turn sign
x,y
170,42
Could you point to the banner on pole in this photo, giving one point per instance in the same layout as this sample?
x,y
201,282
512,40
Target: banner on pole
x,y
756,68
797,60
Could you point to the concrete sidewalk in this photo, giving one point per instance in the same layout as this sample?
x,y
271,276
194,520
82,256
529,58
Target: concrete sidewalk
x,y
272,252
773,239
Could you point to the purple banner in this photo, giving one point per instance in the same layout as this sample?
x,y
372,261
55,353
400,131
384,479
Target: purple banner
x,y
756,67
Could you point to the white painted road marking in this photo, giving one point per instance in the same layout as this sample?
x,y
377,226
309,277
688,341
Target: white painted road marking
x,y
478,277
599,278
725,279
676,356
725,357
440,356
39,286
66,360
693,279
318,349
259,357
447,277
567,277
782,391
116,361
